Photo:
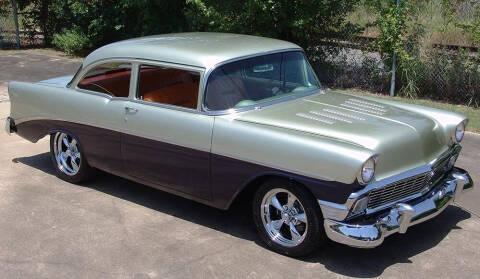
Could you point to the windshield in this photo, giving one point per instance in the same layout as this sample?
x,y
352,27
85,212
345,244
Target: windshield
x,y
259,79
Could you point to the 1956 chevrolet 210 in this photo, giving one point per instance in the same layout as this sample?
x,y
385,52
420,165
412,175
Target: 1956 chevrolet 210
x,y
209,116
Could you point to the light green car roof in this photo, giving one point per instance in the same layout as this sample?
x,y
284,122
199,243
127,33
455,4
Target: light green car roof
x,y
195,49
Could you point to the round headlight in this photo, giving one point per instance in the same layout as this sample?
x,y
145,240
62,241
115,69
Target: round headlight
x,y
367,172
459,132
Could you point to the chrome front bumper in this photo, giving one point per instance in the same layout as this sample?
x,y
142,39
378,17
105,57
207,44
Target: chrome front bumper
x,y
371,232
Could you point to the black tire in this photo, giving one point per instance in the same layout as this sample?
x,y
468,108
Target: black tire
x,y
84,172
315,233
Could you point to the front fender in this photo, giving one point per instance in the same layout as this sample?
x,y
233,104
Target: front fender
x,y
243,151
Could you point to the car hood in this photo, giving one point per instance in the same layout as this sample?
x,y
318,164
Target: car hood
x,y
57,82
401,138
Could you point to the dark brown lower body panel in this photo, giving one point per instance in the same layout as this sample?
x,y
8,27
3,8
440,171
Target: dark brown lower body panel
x,y
100,146
201,176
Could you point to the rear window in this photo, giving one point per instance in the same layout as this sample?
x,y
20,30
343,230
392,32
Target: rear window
x,y
110,78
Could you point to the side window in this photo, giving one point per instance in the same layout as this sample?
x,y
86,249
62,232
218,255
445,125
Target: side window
x,y
109,78
168,86
294,68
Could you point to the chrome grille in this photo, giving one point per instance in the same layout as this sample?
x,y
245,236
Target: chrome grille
x,y
398,190
440,168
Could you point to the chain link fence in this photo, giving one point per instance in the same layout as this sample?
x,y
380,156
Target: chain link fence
x,y
353,62
444,58
7,31
444,61
8,35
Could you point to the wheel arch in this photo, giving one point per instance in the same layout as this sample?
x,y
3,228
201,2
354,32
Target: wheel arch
x,y
247,191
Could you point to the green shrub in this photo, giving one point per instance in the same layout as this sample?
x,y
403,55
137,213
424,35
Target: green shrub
x,y
71,41
473,28
101,21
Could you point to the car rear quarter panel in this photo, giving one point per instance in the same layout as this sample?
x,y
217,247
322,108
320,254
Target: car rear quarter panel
x,y
39,109
30,101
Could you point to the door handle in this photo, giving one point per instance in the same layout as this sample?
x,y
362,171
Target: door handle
x,y
130,110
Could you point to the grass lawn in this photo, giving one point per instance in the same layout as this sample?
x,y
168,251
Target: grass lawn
x,y
473,114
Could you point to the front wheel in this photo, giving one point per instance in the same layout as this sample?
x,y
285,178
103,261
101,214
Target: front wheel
x,y
288,218
68,158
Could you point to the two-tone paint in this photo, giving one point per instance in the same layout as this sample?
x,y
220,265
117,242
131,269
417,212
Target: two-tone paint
x,y
319,139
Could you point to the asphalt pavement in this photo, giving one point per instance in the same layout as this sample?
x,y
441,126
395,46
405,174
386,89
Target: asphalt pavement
x,y
114,228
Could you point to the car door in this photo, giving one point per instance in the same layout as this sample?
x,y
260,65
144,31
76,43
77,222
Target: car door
x,y
167,141
102,92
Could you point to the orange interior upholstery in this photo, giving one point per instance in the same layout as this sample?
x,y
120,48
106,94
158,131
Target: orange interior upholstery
x,y
116,83
152,79
169,86
160,85
181,94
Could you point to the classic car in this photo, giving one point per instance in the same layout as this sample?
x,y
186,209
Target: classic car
x,y
212,116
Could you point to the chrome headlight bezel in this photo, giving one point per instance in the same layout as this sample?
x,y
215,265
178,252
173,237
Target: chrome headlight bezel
x,y
460,131
451,161
367,171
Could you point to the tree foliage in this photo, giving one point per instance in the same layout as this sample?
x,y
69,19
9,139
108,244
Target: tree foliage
x,y
102,21
302,21
392,21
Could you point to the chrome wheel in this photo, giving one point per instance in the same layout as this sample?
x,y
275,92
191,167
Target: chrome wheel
x,y
284,217
67,154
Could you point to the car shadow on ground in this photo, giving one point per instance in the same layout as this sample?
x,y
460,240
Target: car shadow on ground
x,y
236,221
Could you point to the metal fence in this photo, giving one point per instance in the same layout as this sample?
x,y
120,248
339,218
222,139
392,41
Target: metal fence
x,y
7,32
444,64
13,36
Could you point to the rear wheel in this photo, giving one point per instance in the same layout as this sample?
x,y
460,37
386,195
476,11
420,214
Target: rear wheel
x,y
68,159
288,218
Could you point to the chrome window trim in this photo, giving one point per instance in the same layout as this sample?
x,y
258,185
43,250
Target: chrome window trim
x,y
260,106
205,110
131,60
106,96
79,70
165,106
134,81
80,77
140,62
204,75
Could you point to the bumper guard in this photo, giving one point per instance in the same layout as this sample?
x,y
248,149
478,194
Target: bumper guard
x,y
369,234
10,126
